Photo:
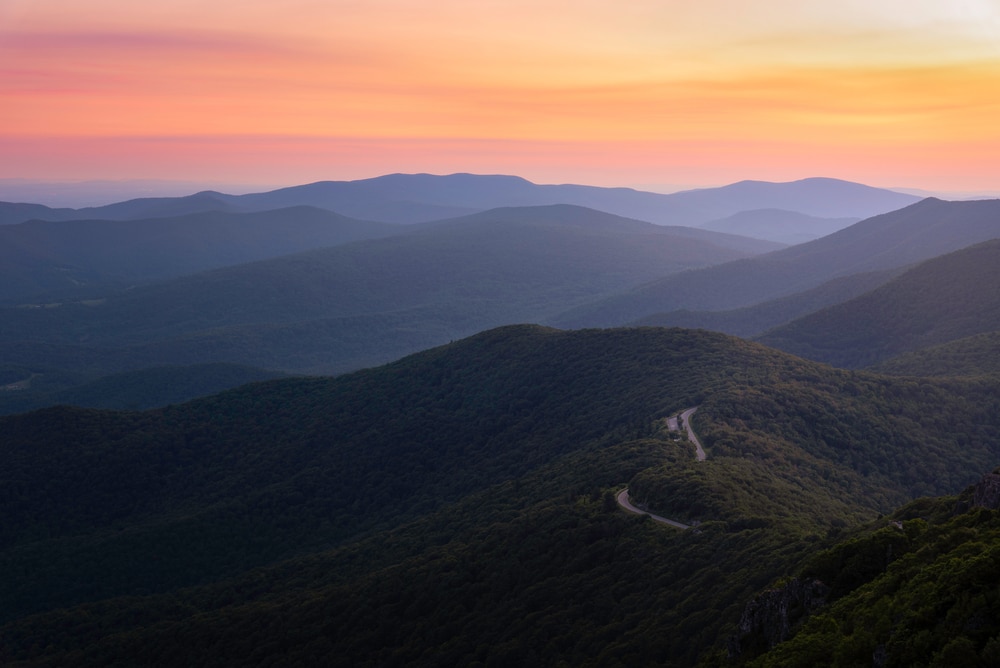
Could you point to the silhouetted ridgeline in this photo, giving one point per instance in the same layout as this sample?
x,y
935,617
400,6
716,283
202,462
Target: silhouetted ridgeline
x,y
414,198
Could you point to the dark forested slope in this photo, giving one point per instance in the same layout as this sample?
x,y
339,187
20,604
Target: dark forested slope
x,y
132,390
458,505
971,356
915,588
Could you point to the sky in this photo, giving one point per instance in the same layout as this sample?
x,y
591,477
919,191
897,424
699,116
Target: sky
x,y
659,94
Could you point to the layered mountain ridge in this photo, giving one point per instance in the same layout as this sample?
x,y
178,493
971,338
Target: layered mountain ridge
x,y
412,198
459,505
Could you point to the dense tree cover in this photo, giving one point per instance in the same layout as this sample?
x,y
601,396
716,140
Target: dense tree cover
x,y
458,506
971,356
947,298
916,589
539,570
130,390
325,458
805,443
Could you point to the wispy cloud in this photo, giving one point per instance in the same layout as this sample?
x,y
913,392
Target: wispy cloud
x,y
803,78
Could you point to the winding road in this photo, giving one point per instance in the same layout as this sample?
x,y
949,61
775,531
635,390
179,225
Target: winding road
x,y
673,424
624,502
699,451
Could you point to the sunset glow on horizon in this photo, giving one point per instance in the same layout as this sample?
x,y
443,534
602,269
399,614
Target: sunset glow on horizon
x,y
888,92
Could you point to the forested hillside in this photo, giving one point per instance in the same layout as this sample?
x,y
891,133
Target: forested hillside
x,y
944,299
458,506
915,588
972,356
21,391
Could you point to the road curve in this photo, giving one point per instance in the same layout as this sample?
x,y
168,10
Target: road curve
x,y
624,502
699,451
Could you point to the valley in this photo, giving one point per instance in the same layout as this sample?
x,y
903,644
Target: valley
x,y
524,334
245,435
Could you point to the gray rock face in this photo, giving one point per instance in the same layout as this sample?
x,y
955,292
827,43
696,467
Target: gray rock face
x,y
986,493
769,618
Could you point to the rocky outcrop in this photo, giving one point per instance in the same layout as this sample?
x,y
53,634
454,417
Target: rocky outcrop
x,y
986,493
771,616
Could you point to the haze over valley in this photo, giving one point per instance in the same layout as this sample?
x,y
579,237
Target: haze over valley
x,y
346,334
153,302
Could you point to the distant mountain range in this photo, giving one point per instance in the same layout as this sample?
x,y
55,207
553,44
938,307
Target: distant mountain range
x,y
78,258
335,308
78,250
214,278
411,198
750,321
950,297
460,505
896,239
788,227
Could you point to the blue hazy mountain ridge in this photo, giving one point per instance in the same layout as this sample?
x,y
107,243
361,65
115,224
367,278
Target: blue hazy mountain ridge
x,y
49,260
754,320
97,192
158,207
411,198
950,297
816,197
334,308
787,227
593,221
899,238
133,209
12,213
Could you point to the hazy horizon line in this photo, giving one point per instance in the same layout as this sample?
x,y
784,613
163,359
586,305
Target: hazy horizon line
x,y
103,191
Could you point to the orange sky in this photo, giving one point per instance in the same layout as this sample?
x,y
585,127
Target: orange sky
x,y
888,92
